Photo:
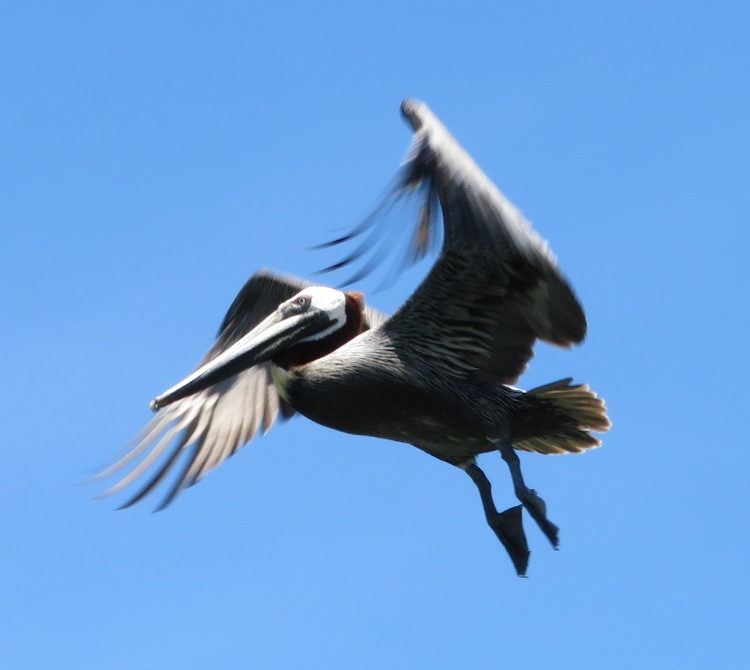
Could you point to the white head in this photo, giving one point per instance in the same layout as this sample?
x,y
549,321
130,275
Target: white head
x,y
322,299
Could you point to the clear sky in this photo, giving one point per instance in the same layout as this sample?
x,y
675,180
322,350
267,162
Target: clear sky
x,y
153,155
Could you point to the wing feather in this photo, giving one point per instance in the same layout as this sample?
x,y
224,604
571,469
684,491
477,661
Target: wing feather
x,y
495,287
206,428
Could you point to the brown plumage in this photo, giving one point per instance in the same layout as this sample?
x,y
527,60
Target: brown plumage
x,y
437,374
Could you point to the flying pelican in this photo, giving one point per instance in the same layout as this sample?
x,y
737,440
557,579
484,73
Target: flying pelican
x,y
437,374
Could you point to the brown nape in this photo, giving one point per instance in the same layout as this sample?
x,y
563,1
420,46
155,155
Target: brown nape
x,y
305,352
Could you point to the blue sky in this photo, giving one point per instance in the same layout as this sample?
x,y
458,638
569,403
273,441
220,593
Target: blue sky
x,y
156,154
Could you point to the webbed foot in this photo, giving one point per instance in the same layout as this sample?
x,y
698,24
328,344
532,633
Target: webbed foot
x,y
508,527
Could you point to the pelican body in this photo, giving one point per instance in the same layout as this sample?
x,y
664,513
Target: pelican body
x,y
437,374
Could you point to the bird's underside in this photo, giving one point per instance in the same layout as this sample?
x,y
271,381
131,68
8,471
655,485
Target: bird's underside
x,y
437,374
388,398
354,392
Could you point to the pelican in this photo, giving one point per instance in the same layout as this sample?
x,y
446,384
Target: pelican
x,y
437,374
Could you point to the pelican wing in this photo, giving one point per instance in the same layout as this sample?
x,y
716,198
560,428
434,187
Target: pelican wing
x,y
199,432
495,287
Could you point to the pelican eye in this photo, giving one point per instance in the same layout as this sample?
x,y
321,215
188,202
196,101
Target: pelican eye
x,y
303,302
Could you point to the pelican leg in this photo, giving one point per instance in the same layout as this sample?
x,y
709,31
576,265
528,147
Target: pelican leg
x,y
531,501
507,525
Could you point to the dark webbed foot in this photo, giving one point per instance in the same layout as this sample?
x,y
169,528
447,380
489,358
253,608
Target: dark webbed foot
x,y
538,510
507,525
529,497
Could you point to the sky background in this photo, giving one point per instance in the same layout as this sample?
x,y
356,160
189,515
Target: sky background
x,y
153,155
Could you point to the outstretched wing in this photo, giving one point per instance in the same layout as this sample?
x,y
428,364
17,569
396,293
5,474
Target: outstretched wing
x,y
204,429
495,287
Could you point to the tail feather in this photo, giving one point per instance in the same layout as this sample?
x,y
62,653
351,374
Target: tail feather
x,y
560,418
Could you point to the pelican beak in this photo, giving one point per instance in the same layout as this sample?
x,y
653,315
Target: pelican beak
x,y
274,334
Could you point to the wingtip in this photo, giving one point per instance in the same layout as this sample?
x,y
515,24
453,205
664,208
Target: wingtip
x,y
412,110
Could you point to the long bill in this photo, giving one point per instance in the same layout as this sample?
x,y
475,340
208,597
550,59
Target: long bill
x,y
271,336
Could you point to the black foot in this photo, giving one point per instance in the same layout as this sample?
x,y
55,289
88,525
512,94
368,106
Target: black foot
x,y
508,527
538,510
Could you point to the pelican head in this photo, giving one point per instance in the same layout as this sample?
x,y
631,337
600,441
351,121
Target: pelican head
x,y
303,328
